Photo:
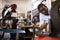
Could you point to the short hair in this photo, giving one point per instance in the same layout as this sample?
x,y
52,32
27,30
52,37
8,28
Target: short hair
x,y
14,5
58,7
39,6
58,10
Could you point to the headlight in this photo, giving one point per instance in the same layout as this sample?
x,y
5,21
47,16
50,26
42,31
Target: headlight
x,y
32,30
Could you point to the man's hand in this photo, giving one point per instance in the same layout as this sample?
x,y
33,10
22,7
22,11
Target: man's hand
x,y
43,26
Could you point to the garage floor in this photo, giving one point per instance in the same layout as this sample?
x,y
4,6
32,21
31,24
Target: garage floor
x,y
46,38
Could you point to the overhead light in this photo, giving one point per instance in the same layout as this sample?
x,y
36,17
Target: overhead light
x,y
34,0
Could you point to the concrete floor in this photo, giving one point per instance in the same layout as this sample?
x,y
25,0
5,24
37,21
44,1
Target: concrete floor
x,y
46,38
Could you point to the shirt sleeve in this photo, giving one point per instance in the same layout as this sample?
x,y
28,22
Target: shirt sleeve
x,y
46,19
9,9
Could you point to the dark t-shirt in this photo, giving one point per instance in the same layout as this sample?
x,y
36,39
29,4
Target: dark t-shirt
x,y
55,18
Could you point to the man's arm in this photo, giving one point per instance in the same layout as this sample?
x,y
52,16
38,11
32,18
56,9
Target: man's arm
x,y
9,9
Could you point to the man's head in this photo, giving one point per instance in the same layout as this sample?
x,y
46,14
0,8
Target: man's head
x,y
13,7
58,9
42,9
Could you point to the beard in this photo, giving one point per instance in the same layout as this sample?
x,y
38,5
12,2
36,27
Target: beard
x,y
46,13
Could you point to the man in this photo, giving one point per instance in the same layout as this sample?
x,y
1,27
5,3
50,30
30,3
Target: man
x,y
43,16
11,14
55,16
3,12
15,20
14,16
